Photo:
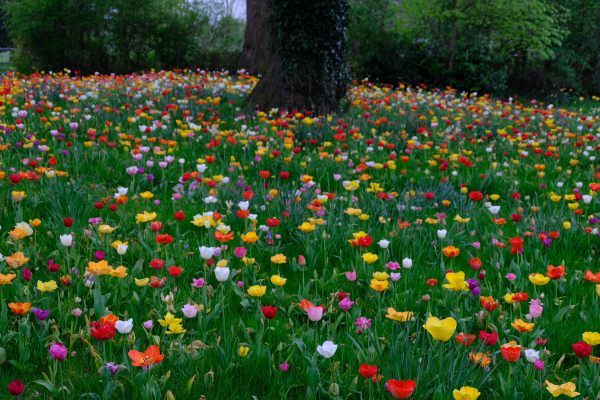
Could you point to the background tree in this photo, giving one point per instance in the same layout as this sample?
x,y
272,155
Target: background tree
x,y
300,47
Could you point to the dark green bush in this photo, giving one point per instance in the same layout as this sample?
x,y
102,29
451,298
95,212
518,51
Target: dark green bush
x,y
117,35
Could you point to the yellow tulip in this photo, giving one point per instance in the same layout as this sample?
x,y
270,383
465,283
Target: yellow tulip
x,y
145,217
278,259
307,227
401,316
466,393
440,329
538,279
379,286
568,389
522,326
591,338
278,280
49,286
370,258
381,276
243,351
141,282
456,281
257,291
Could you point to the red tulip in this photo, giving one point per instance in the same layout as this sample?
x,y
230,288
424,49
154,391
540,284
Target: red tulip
x,y
368,371
179,216
164,238
269,311
401,389
102,330
16,387
476,196
489,339
582,349
510,353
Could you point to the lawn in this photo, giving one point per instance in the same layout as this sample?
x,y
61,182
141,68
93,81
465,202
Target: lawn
x,y
162,241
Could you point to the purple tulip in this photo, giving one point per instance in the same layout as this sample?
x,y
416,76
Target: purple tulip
x,y
58,351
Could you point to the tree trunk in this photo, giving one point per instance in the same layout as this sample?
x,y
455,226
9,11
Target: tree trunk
x,y
299,47
256,36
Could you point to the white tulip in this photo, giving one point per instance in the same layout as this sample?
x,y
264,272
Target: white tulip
x,y
222,273
532,355
587,199
383,243
407,262
66,240
122,249
124,327
494,210
327,349
206,252
441,233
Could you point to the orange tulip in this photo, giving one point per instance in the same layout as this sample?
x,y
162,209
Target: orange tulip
x,y
19,308
451,251
146,359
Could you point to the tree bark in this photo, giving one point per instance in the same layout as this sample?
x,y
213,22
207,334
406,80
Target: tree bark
x,y
299,49
256,36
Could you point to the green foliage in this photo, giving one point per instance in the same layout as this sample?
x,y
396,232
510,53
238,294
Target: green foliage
x,y
477,44
118,35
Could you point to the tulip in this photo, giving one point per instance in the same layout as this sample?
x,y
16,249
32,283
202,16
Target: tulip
x,y
124,327
407,262
510,352
189,311
456,281
327,349
400,389
66,240
206,252
591,338
367,371
222,273
568,389
466,393
532,355
315,313
58,351
582,349
16,387
440,329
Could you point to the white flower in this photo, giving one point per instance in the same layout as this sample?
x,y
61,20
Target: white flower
x,y
189,311
407,262
222,273
587,199
532,355
124,327
121,191
494,210
122,249
383,243
66,240
327,349
207,252
243,205
441,233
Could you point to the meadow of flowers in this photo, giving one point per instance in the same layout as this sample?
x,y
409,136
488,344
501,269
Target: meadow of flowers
x,y
159,241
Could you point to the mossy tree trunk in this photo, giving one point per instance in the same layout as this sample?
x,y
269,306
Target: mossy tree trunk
x,y
299,48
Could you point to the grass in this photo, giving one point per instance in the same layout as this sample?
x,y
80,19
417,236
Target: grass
x,y
427,151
